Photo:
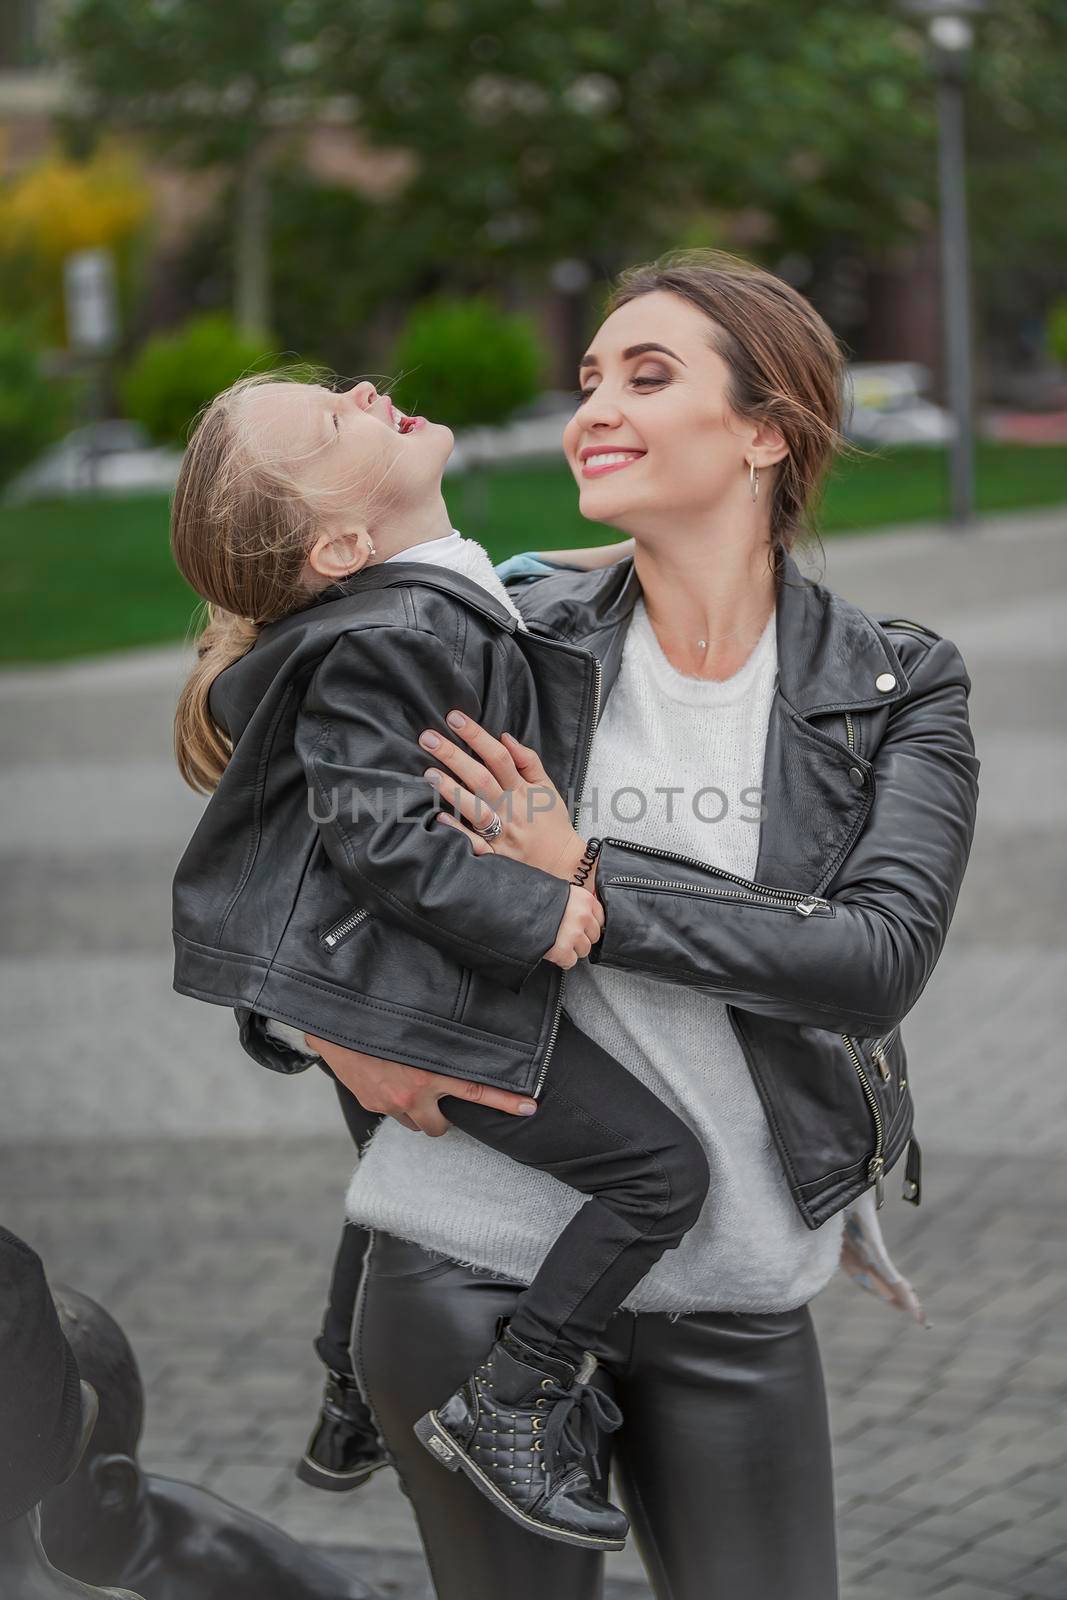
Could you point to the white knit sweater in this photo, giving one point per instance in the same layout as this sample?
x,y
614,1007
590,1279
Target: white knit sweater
x,y
750,1251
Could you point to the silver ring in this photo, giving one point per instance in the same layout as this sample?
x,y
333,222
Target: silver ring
x,y
493,831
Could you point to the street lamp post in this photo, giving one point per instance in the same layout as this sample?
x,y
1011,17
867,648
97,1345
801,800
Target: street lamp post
x,y
951,36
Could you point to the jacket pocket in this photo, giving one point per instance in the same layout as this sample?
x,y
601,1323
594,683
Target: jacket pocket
x,y
342,929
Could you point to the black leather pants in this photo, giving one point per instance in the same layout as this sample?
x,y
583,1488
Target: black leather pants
x,y
333,1345
723,1463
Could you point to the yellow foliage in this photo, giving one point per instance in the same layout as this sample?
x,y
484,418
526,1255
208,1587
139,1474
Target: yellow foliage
x,y
61,205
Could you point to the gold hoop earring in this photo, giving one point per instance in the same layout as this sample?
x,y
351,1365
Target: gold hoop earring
x,y
753,478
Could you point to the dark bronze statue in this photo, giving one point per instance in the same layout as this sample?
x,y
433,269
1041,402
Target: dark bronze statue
x,y
47,1414
114,1523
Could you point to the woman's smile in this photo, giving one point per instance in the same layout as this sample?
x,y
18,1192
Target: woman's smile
x,y
597,462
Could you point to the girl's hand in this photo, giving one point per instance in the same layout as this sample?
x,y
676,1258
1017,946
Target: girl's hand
x,y
579,930
408,1094
508,781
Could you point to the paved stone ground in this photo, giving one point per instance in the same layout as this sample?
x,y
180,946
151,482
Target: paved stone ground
x,y
156,1169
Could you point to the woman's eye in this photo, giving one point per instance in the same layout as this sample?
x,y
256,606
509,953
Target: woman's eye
x,y
644,382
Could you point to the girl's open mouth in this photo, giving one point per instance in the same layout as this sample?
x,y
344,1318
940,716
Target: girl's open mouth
x,y
400,422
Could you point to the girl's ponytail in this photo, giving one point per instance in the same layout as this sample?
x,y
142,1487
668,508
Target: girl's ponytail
x,y
240,529
202,748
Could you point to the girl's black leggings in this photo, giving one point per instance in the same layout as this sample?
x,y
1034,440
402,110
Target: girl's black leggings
x,y
606,1135
723,1463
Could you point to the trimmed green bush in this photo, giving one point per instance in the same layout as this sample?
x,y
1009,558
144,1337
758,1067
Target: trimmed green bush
x,y
466,363
1057,331
34,409
174,374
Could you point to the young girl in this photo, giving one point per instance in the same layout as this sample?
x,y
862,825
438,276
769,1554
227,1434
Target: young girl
x,y
343,609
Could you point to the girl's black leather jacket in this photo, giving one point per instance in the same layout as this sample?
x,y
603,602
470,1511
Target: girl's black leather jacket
x,y
368,925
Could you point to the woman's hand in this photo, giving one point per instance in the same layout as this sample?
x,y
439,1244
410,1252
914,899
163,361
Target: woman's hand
x,y
579,929
408,1094
506,780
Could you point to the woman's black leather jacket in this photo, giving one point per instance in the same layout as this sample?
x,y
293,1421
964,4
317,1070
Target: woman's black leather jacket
x,y
390,936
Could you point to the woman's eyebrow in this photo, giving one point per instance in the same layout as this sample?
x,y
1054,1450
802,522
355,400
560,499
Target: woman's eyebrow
x,y
630,354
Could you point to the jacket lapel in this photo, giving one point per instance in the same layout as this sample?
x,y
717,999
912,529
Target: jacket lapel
x,y
830,653
830,657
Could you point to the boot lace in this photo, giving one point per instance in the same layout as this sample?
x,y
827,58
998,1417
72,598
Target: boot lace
x,y
579,1415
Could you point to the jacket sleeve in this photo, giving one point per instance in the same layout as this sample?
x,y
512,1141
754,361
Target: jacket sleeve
x,y
357,738
517,569
858,959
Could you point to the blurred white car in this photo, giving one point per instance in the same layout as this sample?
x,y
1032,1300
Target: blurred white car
x,y
114,457
888,406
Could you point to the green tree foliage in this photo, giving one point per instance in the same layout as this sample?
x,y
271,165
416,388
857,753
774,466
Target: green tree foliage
x,y
213,83
33,409
466,363
549,128
556,127
1017,156
1057,332
343,276
175,374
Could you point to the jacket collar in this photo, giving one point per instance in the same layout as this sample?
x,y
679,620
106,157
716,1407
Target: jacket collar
x,y
830,653
390,573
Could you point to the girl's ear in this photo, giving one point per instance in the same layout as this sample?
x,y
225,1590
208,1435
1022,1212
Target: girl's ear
x,y
337,555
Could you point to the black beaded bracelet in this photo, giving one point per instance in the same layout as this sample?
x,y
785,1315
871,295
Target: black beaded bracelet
x,y
585,866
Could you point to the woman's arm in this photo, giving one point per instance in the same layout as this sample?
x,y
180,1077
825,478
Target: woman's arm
x,y
854,960
356,736
858,959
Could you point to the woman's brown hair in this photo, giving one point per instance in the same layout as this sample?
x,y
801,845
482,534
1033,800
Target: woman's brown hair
x,y
241,527
786,367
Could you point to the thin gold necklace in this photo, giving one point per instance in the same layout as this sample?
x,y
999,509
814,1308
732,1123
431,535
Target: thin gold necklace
x,y
702,644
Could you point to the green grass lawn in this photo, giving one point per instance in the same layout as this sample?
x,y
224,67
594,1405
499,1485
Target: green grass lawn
x,y
82,576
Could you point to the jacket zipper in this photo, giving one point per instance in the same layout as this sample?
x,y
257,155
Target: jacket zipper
x,y
804,904
879,1049
597,675
876,1164
340,930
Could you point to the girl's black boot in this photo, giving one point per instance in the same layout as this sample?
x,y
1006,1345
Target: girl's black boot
x,y
345,1448
525,1428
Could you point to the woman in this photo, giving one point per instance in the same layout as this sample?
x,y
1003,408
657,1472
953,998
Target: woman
x,y
788,790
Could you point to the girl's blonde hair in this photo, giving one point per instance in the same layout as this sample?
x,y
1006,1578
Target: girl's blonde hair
x,y
241,527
